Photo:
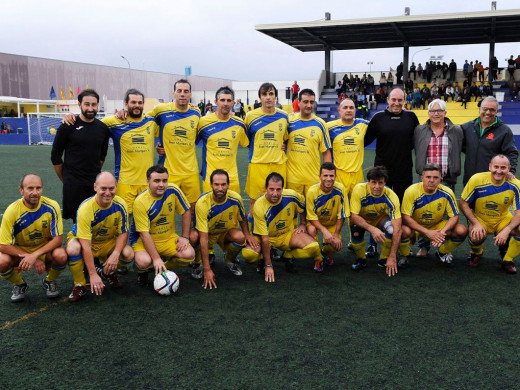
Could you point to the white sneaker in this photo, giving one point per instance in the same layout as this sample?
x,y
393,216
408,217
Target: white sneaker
x,y
234,268
19,293
197,271
51,289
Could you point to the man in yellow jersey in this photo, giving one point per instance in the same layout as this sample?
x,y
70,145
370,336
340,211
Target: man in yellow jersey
x,y
274,215
486,201
31,235
221,134
327,208
98,239
218,214
267,131
154,240
375,207
348,145
423,210
307,139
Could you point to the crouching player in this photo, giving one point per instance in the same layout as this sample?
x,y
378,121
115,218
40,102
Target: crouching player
x,y
327,207
30,236
98,239
486,201
376,208
423,210
273,221
154,238
218,214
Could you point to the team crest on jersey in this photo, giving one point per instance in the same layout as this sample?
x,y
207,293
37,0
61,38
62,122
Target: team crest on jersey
x,y
357,131
233,134
116,221
312,133
44,224
170,207
288,212
230,215
280,127
506,200
439,206
192,123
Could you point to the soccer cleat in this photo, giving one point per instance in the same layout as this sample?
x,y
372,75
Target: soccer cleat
x,y
318,266
289,266
113,280
122,270
359,264
19,293
234,268
502,249
327,259
77,293
422,253
402,263
381,263
260,266
473,259
211,259
51,289
371,251
142,279
446,259
509,267
275,256
197,272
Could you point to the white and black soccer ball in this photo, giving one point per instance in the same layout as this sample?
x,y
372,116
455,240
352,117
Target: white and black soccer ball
x,y
166,283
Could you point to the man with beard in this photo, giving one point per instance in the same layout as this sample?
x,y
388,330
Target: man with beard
x,y
85,145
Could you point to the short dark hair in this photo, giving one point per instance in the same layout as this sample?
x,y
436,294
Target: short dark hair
x,y
432,167
226,91
306,91
157,169
219,172
265,87
328,166
274,176
377,172
29,174
88,92
132,91
181,81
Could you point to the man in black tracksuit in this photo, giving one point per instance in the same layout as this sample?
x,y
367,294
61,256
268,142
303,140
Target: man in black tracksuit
x,y
484,138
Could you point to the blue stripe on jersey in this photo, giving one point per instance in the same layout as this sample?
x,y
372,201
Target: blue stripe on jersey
x,y
54,224
302,124
116,132
220,208
28,218
340,129
275,210
321,200
133,236
371,200
168,116
490,190
156,206
101,215
425,199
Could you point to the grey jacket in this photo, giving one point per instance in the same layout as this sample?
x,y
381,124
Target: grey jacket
x,y
497,139
421,139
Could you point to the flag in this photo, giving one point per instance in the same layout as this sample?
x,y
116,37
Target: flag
x,y
61,93
52,94
79,91
71,92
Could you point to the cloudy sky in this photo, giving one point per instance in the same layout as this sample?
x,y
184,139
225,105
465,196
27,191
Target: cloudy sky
x,y
216,38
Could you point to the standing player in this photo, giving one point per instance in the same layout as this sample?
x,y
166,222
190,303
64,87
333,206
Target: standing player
x,y
218,214
221,134
423,210
267,131
274,214
154,217
327,208
375,207
85,146
348,149
486,201
98,239
307,139
30,236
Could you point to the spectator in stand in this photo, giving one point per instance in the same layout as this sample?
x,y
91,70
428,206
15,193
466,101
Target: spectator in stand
x,y
493,68
339,88
201,106
390,80
442,91
456,91
296,105
371,101
428,71
444,70
465,97
465,69
513,91
295,89
346,82
480,71
209,110
435,92
412,71
511,66
342,97
208,106
474,91
370,83
449,92
470,73
417,98
426,95
409,101
453,70
382,81
399,73
517,62
408,85
419,70
256,105
438,70
238,109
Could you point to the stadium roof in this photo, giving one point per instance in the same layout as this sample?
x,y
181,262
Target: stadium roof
x,y
421,30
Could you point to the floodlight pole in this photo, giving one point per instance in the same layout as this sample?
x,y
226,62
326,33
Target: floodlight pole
x,y
129,71
418,51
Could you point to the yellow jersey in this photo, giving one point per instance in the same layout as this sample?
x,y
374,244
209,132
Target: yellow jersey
x,y
372,208
348,144
216,218
327,207
266,133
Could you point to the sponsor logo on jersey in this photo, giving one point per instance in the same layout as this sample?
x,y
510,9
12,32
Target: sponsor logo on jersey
x,y
427,215
223,143
280,225
102,231
491,205
220,225
299,140
138,139
35,235
180,132
161,221
79,127
348,141
325,213
269,135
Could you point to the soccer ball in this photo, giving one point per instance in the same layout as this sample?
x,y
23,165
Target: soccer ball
x,y
166,283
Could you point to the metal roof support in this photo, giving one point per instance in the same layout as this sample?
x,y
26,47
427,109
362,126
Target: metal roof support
x,y
406,56
327,66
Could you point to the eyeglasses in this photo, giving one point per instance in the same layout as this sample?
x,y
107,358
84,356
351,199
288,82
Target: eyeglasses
x,y
488,109
436,111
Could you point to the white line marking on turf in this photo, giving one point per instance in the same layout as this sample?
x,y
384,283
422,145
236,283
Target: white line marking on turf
x,y
25,317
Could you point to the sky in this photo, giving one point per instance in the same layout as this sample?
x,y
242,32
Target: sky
x,y
215,38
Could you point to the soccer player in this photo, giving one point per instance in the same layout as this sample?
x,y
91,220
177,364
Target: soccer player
x,y
154,217
423,210
274,214
85,146
348,148
267,131
486,201
31,235
221,134
178,123
98,239
218,214
307,139
327,208
375,207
